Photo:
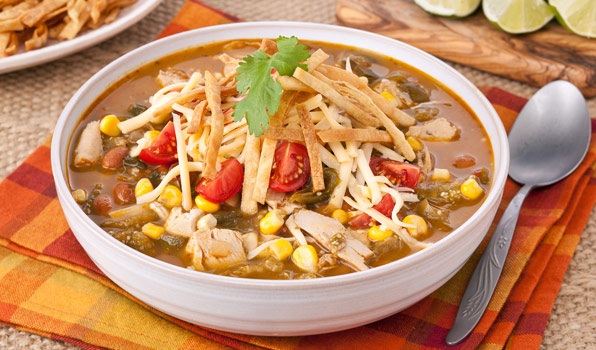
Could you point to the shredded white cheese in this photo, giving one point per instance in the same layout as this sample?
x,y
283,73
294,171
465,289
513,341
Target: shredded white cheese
x,y
295,230
253,253
364,168
183,163
175,171
396,227
345,170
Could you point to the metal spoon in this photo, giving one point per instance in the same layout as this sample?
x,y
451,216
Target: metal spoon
x,y
548,140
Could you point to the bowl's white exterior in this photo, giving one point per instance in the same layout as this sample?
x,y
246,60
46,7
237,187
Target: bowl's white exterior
x,y
266,307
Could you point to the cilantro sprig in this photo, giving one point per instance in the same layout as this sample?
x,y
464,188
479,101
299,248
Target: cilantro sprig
x,y
264,93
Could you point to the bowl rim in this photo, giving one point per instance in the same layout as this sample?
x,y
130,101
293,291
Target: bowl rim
x,y
69,205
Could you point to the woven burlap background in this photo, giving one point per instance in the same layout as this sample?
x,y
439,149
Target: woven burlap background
x,y
31,101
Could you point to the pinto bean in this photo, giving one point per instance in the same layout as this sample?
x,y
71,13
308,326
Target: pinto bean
x,y
124,193
464,161
102,205
113,159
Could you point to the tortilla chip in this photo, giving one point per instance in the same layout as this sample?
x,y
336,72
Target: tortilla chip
x,y
312,146
338,74
38,39
294,135
269,46
34,15
212,92
358,135
252,150
341,101
269,145
316,59
197,115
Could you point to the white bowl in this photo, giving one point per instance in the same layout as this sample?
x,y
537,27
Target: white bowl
x,y
271,307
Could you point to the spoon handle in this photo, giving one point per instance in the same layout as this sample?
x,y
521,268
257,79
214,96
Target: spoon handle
x,y
486,275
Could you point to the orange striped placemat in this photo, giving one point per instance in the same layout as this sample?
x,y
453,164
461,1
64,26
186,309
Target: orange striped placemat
x,y
49,286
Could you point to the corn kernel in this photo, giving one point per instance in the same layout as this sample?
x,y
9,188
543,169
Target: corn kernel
x,y
306,258
281,249
171,196
471,189
151,135
378,233
109,125
80,196
340,215
143,186
271,222
440,174
421,227
415,143
206,205
152,230
388,96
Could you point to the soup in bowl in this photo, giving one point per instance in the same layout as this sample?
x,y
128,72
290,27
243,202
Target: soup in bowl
x,y
291,167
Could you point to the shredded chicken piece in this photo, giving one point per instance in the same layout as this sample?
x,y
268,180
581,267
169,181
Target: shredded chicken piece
x,y
219,248
435,130
89,149
182,224
327,231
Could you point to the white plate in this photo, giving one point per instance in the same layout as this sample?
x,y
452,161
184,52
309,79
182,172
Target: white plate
x,y
57,49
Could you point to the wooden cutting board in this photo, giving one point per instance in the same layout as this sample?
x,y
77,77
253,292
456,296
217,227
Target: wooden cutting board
x,y
537,58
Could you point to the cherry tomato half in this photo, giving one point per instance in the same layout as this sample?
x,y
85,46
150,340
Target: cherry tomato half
x,y
163,149
291,167
400,174
226,183
385,207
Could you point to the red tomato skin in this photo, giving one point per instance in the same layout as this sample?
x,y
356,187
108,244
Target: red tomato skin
x,y
286,164
363,220
226,183
163,149
402,174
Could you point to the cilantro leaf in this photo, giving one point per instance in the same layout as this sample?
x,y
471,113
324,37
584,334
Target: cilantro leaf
x,y
264,93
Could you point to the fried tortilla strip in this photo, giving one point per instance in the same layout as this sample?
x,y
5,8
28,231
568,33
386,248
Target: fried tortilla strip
x,y
312,146
197,115
11,25
269,46
79,13
38,39
9,42
37,13
252,149
97,6
335,97
4,41
16,11
212,92
397,115
54,31
144,118
399,140
5,3
269,145
290,83
294,135
316,59
358,135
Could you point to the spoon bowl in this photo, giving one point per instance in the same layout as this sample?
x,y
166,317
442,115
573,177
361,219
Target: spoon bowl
x,y
547,142
550,136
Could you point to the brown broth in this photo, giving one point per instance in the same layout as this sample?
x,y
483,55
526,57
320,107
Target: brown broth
x,y
138,85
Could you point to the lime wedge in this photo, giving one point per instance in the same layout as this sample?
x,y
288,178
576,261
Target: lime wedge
x,y
518,16
449,8
579,16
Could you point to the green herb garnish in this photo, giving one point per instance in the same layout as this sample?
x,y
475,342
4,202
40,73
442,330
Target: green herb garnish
x,y
254,72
